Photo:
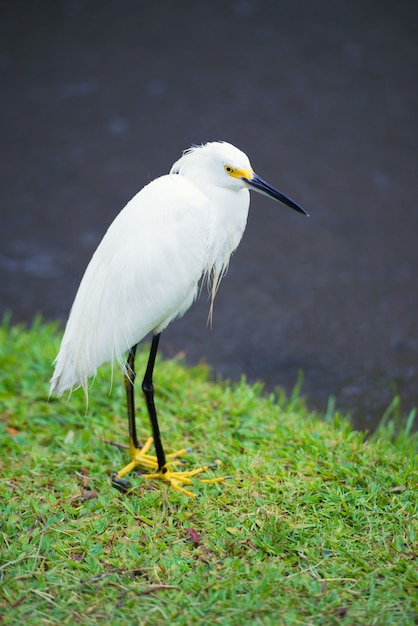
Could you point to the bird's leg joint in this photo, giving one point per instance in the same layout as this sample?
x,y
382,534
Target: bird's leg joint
x,y
148,389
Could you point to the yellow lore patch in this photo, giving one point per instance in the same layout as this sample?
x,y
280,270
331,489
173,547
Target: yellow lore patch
x,y
238,173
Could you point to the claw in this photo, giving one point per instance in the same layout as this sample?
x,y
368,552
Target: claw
x,y
141,458
177,479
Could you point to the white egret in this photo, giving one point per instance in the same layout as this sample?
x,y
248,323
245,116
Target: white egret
x,y
178,230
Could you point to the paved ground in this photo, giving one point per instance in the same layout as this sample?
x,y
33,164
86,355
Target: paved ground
x,y
99,98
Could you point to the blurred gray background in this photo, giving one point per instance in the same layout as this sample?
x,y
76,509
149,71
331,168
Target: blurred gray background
x,y
100,97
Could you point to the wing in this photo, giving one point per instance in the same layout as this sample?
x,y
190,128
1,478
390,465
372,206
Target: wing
x,y
144,273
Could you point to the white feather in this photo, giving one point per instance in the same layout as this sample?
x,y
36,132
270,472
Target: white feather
x,y
146,270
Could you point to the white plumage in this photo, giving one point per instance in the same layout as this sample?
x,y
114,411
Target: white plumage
x,y
178,229
146,270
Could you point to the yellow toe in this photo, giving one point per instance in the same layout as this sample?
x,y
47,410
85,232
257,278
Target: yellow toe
x,y
177,479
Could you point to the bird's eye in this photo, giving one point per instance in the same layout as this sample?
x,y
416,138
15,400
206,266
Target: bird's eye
x,y
228,169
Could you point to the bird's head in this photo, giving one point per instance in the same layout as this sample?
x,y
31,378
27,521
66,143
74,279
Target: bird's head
x,y
223,164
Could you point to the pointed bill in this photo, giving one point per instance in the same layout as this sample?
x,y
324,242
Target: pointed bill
x,y
260,185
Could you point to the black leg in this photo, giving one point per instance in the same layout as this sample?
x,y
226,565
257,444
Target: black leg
x,y
129,380
148,389
139,457
117,480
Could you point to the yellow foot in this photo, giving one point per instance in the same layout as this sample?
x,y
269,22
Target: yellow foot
x,y
141,458
177,479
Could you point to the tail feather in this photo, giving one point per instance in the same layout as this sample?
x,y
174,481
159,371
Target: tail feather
x,y
66,377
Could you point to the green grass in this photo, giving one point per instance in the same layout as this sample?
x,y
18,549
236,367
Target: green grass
x,y
316,526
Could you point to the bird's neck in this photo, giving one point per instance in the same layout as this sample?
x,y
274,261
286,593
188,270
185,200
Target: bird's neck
x,y
229,212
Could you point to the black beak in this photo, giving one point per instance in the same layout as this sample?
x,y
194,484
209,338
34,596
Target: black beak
x,y
260,185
